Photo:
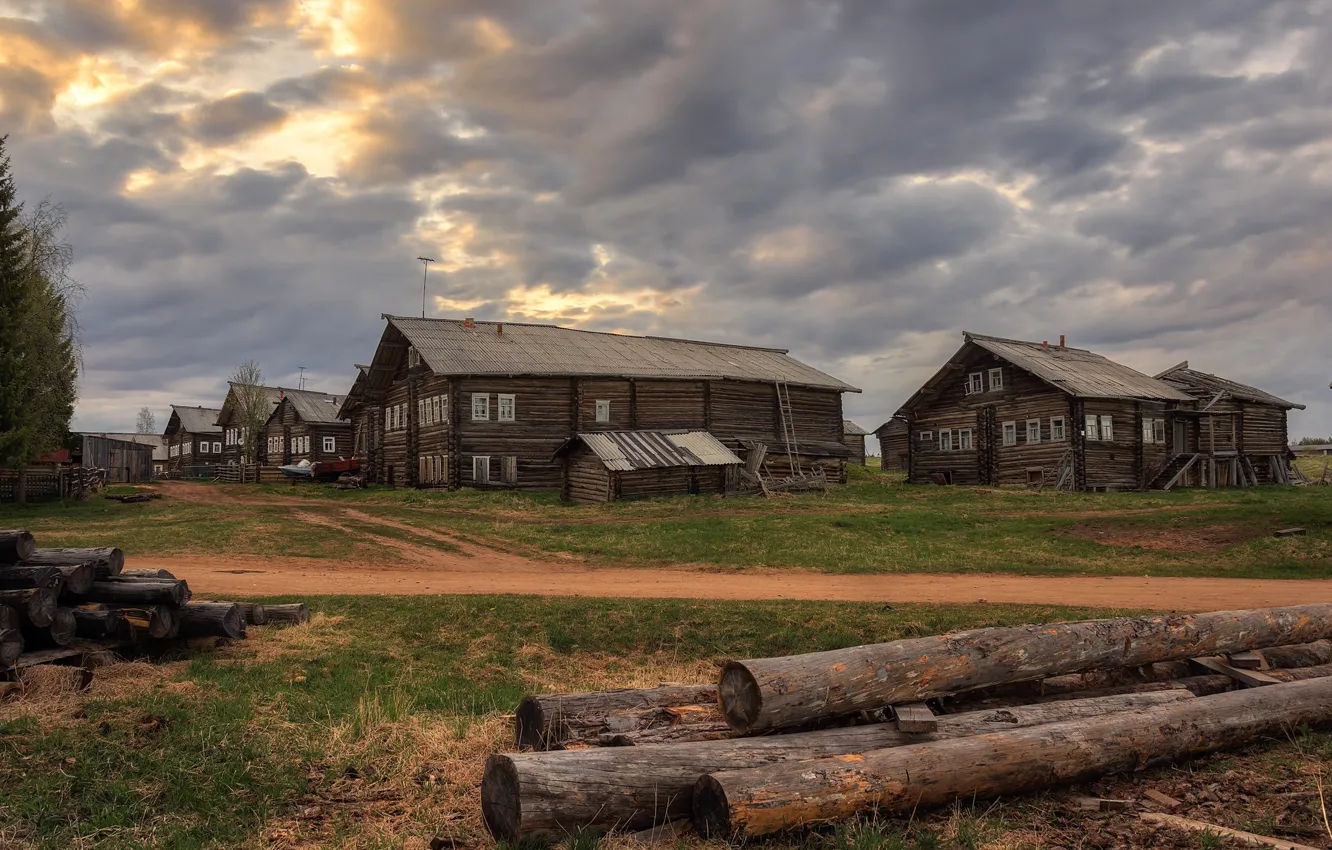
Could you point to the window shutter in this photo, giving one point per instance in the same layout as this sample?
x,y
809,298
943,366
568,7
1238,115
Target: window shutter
x,y
481,469
509,469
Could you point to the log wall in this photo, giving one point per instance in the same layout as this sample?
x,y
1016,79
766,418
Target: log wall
x,y
586,478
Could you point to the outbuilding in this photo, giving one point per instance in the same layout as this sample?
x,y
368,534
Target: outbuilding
x,y
605,466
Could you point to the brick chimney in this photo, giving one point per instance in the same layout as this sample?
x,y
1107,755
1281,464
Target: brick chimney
x,y
1045,344
469,323
1061,341
499,329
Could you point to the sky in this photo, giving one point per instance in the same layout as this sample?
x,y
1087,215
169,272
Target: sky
x,y
856,181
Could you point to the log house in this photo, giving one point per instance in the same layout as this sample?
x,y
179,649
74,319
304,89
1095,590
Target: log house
x,y
305,426
447,403
192,436
854,438
892,443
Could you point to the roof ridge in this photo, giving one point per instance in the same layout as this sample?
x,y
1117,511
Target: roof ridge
x,y
968,336
393,318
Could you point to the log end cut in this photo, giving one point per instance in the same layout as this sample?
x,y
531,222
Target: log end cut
x,y
739,696
529,725
712,816
501,805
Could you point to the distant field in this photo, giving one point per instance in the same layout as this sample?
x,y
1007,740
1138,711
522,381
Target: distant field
x,y
875,524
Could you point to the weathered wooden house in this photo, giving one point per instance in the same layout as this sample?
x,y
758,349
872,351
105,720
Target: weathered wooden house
x,y
127,458
854,438
892,443
449,403
305,426
1234,435
193,437
605,466
228,419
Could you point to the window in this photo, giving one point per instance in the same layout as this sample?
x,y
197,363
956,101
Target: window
x,y
330,445
217,448
188,448
1033,430
1093,430
444,408
481,469
945,440
1159,430
603,410
1107,428
413,357
388,419
421,411
480,408
1010,433
996,379
1057,434
975,383
509,469
926,436
506,408
964,439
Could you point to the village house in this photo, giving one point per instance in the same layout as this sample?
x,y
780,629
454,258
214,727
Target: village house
x,y
892,437
228,419
449,403
305,426
854,438
193,437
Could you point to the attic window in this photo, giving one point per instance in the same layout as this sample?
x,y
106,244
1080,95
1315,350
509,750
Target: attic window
x,y
996,379
413,356
975,383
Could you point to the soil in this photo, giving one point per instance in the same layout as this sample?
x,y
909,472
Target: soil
x,y
478,569
1169,538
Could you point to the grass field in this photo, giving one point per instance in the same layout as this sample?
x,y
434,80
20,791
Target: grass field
x,y
875,524
368,726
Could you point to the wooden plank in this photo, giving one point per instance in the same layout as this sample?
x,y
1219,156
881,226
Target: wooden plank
x,y
1178,475
1222,832
1247,678
1161,799
1248,660
1101,804
915,717
1289,532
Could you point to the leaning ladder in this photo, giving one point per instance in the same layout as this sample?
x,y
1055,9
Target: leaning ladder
x,y
788,428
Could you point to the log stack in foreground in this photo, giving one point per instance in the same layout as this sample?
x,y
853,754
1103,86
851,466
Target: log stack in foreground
x,y
59,605
1017,709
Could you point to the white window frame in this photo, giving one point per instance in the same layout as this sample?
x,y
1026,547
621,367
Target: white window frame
x,y
1159,431
975,383
511,415
421,411
217,448
945,439
996,377
330,445
1033,423
1107,429
603,410
1009,433
388,419
1092,424
413,356
964,441
926,436
477,461
444,408
187,448
1058,432
481,411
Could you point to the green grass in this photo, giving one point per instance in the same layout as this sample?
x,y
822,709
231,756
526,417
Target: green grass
x,y
875,524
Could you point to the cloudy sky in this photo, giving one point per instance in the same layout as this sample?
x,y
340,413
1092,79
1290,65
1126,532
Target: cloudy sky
x,y
857,181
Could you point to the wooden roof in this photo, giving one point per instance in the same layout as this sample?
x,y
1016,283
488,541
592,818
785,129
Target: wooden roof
x,y
1203,385
193,420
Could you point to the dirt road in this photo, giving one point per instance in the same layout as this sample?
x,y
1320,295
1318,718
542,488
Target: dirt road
x,y
475,569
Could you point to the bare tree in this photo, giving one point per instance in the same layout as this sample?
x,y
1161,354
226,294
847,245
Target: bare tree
x,y
251,405
147,422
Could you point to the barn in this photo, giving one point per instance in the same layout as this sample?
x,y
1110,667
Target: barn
x,y
453,403
892,443
854,437
604,466
127,458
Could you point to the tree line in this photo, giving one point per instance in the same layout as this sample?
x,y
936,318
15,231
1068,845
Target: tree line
x,y
39,333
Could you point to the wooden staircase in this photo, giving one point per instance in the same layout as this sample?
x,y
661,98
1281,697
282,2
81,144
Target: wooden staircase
x,y
1173,471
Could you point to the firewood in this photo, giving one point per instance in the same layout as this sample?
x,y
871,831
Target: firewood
x,y
36,606
295,613
16,545
774,693
554,793
762,800
139,591
106,562
204,619
546,721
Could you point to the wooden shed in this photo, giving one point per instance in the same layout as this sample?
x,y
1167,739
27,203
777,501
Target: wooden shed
x,y
305,426
448,403
605,466
193,437
854,438
127,458
892,443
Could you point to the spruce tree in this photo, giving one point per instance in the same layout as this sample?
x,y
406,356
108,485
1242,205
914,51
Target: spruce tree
x,y
17,431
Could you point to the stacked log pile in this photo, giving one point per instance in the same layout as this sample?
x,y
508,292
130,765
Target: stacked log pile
x,y
64,605
779,743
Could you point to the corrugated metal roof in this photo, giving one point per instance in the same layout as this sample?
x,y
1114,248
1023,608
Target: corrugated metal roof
x,y
1077,371
314,407
451,349
1203,385
197,420
626,451
851,429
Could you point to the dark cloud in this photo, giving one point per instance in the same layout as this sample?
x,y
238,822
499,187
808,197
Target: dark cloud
x,y
234,117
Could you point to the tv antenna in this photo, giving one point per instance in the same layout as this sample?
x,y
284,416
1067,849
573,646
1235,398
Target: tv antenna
x,y
425,262
300,383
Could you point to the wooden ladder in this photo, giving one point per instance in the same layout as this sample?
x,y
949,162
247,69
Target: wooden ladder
x,y
788,428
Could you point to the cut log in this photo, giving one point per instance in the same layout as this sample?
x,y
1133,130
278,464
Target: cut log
x,y
36,606
1300,655
1300,674
556,793
547,721
663,726
158,621
205,619
106,561
16,545
295,613
23,577
11,641
147,574
99,622
139,591
774,693
60,632
759,801
254,613
1242,837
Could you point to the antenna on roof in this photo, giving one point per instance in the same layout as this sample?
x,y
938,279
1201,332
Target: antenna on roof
x,y
300,382
425,261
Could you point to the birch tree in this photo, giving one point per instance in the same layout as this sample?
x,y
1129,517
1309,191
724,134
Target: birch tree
x,y
251,406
